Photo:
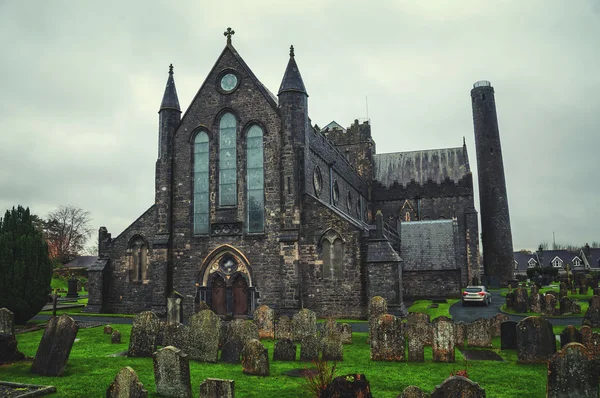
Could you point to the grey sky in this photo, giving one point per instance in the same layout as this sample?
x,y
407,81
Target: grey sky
x,y
81,84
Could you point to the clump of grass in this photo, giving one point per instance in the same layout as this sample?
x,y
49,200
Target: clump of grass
x,y
319,378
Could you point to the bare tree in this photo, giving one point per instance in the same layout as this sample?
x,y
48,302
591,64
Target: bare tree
x,y
67,231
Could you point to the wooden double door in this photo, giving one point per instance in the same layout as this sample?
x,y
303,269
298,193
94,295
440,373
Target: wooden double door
x,y
229,298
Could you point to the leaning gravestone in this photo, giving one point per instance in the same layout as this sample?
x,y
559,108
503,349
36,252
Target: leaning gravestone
x,y
217,388
126,384
264,319
458,387
413,392
495,323
54,349
592,315
172,373
346,333
535,340
304,323
332,348
144,335
479,333
283,328
570,334
231,352
175,334
508,335
387,339
309,348
284,350
443,339
460,334
203,336
255,359
520,300
8,342
421,326
571,373
377,307
115,337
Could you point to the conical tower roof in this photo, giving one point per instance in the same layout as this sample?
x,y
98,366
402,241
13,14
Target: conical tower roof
x,y
292,80
170,100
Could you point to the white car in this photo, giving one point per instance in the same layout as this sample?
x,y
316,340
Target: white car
x,y
476,294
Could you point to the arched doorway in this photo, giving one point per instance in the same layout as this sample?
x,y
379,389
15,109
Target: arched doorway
x,y
240,295
218,289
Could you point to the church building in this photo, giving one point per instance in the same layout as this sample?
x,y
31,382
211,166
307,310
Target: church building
x,y
256,205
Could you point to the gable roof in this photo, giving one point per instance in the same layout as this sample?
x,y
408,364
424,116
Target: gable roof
x,y
333,125
81,262
522,259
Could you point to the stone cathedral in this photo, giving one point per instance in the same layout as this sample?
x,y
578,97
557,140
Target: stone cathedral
x,y
256,205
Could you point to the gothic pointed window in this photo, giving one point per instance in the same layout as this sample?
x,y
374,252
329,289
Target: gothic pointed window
x,y
138,260
255,181
227,161
332,255
201,194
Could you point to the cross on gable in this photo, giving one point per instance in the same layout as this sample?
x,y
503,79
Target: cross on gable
x,y
229,32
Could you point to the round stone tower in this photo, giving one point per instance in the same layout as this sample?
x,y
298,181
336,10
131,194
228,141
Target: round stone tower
x,y
496,235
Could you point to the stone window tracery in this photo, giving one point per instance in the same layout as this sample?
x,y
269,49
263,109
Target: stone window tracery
x,y
138,260
332,247
227,160
255,180
201,190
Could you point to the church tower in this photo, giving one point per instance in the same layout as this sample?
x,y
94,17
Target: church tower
x,y
493,201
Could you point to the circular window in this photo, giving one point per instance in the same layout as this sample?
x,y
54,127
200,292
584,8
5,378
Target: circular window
x,y
317,180
336,192
349,201
229,82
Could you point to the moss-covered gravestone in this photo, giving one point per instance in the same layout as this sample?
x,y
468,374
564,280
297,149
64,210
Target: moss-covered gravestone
x,y
460,334
419,324
255,359
331,328
346,333
495,323
592,315
203,336
458,386
144,335
413,392
520,300
377,308
332,348
55,347
387,339
571,373
217,388
283,328
309,348
172,373
535,340
175,334
443,339
231,351
284,350
8,342
304,323
126,384
241,331
570,334
115,337
264,317
479,333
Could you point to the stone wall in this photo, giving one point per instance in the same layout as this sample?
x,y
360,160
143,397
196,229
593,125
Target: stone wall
x,y
427,284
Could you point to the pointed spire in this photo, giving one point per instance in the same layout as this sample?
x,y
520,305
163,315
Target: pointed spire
x,y
292,80
170,100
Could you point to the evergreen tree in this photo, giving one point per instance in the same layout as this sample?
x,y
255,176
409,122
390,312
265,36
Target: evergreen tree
x,y
25,268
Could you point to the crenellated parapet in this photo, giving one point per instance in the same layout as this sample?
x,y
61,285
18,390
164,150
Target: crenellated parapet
x,y
430,189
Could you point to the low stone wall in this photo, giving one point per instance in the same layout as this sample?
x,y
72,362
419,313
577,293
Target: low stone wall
x,y
431,284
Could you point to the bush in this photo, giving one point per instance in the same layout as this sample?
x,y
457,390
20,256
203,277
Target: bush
x,y
24,265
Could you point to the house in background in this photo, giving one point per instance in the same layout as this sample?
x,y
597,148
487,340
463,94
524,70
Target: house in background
x,y
586,259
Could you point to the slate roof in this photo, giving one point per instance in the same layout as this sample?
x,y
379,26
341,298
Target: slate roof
x,y
522,260
82,262
170,99
429,245
333,125
381,251
434,164
547,256
292,80
594,258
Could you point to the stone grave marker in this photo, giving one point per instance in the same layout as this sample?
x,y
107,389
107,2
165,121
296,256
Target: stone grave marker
x,y
108,329
144,335
284,350
175,334
583,288
443,339
572,373
495,323
575,307
387,339
172,373
351,385
508,335
536,303
283,328
570,334
304,323
332,348
242,331
346,333
458,387
421,325
264,318
203,336
331,328
202,306
115,337
231,352
377,307
549,304
217,388
8,342
479,333
54,349
175,308
520,302
460,334
592,315
415,343
565,306
535,340
126,384
510,300
563,292
309,348
255,359
596,291
413,392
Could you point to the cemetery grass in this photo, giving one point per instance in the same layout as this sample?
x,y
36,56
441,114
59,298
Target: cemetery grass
x,y
89,371
584,306
442,310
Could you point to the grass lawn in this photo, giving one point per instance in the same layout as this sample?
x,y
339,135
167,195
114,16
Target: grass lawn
x,y
79,311
442,310
584,306
90,371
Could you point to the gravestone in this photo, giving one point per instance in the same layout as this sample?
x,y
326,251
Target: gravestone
x,y
479,333
8,342
217,388
387,339
264,319
115,337
458,387
255,359
242,331
415,343
72,291
592,315
508,335
54,348
572,373
203,336
583,288
421,326
563,292
284,350
570,334
535,340
510,300
108,329
346,333
377,307
144,335
443,339
591,341
536,302
309,348
126,384
331,328
520,300
172,373
351,385
332,348
160,336
549,304
413,392
175,308
596,291
495,323
460,334
565,306
202,306
231,351
175,334
283,328
575,307
304,323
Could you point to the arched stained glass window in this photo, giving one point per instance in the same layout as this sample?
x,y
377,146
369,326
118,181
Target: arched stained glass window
x,y
255,181
201,197
227,161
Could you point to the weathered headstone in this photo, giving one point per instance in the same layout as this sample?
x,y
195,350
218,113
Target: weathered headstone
x,y
592,315
575,307
565,306
563,292
591,341
458,387
418,324
108,329
231,351
304,323
175,308
331,328
415,343
495,323
284,350
479,333
217,388
283,328
536,302
115,337
332,348
144,335
443,339
571,373
583,288
126,384
54,349
377,307
203,336
460,334
264,318
508,335
570,334
346,333
172,373
549,304
510,300
309,348
72,291
413,392
535,340
255,359
351,385
8,342
387,339
520,300
242,331
175,334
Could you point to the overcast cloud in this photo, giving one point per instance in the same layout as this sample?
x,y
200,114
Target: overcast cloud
x,y
81,83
